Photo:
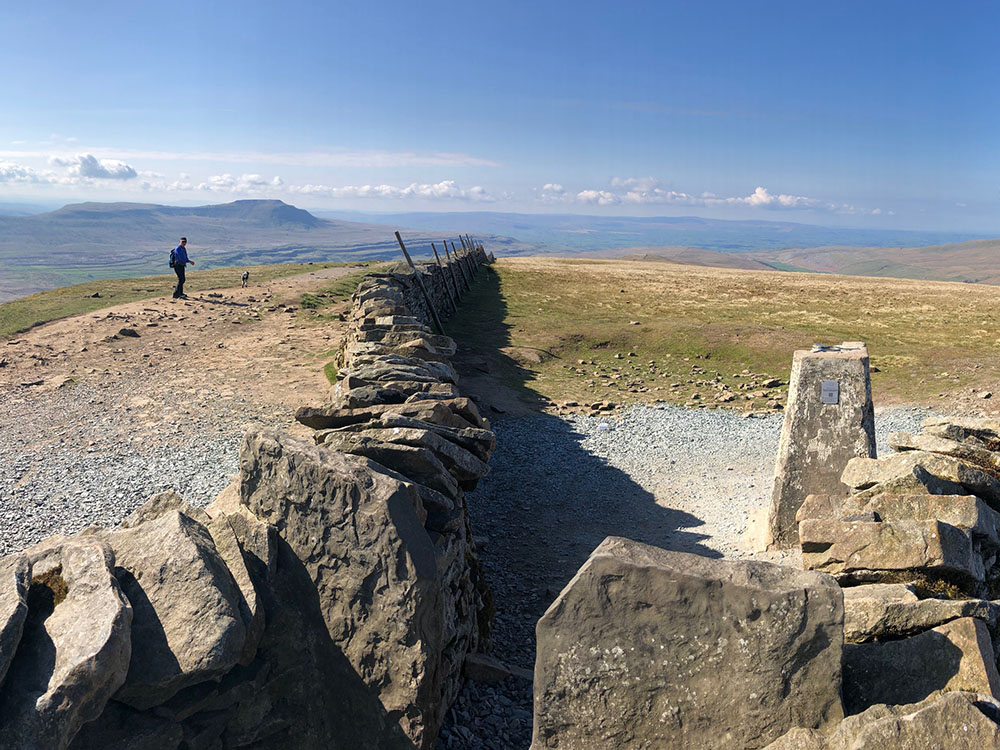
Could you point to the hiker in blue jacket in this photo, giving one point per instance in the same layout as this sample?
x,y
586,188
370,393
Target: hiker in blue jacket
x,y
179,258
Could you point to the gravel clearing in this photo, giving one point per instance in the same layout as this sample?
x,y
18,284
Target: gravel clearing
x,y
676,478
81,455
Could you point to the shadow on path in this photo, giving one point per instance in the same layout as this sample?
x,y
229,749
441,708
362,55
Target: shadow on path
x,y
547,502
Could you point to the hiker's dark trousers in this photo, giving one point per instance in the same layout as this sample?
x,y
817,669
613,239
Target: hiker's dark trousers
x,y
179,270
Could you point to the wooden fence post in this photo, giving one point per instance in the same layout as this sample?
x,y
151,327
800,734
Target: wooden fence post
x,y
420,283
461,267
453,296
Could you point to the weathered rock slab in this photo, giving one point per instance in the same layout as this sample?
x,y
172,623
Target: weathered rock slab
x,y
414,462
15,577
647,648
436,411
970,449
889,611
356,531
843,548
954,720
188,626
75,646
917,472
955,656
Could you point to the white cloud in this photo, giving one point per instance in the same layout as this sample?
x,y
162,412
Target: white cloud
x,y
88,165
10,172
650,191
444,190
599,197
227,183
762,198
635,183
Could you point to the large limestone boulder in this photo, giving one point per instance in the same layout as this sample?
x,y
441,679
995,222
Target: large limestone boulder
x,y
647,648
954,720
15,576
358,535
860,548
955,656
74,649
889,611
189,625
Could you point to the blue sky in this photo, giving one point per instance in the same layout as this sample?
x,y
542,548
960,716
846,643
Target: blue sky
x,y
875,114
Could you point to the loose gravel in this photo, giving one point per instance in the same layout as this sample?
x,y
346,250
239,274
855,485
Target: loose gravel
x,y
676,478
82,454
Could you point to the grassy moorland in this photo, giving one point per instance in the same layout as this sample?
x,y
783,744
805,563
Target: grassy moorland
x,y
24,313
590,330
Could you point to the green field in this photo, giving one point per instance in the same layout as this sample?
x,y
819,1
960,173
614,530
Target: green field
x,y
677,330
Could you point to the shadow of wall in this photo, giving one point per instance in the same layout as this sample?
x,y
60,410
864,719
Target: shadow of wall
x,y
547,502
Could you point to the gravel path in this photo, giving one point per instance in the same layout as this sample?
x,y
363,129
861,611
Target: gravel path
x,y
91,454
676,478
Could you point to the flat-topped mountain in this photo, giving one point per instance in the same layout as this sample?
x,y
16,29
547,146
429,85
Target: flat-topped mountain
x,y
258,213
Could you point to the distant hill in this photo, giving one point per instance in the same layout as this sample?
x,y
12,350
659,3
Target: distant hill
x,y
974,262
85,241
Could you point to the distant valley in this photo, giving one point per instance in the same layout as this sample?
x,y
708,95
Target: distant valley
x,y
86,241
975,262
573,233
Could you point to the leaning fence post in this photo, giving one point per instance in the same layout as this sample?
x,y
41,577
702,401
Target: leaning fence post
x,y
453,296
461,267
420,283
466,249
452,262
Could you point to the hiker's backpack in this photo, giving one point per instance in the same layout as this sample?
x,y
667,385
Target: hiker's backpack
x,y
172,263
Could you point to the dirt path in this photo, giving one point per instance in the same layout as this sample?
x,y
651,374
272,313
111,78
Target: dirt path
x,y
255,343
94,420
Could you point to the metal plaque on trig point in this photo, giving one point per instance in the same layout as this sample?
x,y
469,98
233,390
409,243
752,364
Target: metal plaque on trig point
x,y
829,392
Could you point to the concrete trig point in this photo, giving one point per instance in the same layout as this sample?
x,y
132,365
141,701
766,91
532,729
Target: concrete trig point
x,y
829,420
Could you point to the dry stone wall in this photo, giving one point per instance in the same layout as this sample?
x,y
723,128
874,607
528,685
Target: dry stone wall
x,y
327,599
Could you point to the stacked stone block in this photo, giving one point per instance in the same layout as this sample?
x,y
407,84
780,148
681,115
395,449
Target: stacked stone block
x,y
915,545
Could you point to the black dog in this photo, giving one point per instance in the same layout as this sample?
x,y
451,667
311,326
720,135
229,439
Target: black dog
x,y
245,277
